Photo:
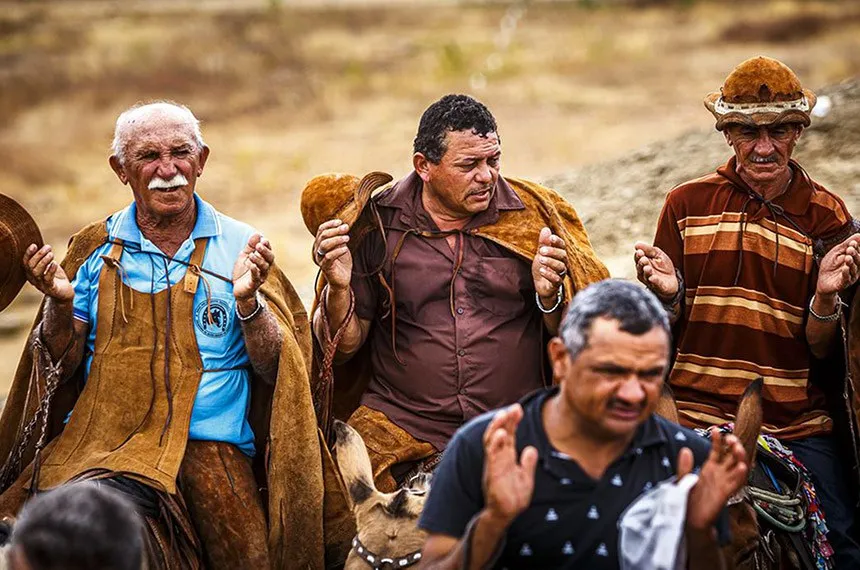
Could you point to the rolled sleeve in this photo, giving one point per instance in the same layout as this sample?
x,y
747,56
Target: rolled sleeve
x,y
83,286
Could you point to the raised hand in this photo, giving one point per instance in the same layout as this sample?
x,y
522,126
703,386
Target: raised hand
x,y
252,267
45,274
549,266
332,254
656,270
722,475
840,268
508,485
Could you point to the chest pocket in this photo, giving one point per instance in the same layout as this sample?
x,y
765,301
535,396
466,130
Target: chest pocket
x,y
502,286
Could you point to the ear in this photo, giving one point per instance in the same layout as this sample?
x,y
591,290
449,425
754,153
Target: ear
x,y
422,166
559,358
666,406
728,137
799,132
118,169
353,463
749,419
204,156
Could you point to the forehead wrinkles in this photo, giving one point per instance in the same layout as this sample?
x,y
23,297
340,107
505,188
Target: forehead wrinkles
x,y
462,144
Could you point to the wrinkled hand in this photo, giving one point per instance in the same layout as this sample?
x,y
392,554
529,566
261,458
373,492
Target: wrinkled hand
x,y
840,268
655,270
332,255
45,274
722,475
252,267
508,486
549,266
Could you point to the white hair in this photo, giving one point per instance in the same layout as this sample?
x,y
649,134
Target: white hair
x,y
143,111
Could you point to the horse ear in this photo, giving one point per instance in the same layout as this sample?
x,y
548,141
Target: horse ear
x,y
353,463
749,419
666,406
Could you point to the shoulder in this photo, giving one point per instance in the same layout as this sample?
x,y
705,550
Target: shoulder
x,y
679,437
691,189
530,192
829,208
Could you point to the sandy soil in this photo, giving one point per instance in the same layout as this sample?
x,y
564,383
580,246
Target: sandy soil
x,y
287,92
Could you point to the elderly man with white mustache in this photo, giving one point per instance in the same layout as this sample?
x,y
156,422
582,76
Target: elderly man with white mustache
x,y
159,312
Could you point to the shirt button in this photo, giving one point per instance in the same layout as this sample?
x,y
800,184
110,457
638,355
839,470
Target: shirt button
x,y
459,310
461,352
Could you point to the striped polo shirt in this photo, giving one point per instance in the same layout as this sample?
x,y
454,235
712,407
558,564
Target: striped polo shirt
x,y
749,273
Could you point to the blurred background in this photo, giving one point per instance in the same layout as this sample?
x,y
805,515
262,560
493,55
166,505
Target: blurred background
x,y
600,99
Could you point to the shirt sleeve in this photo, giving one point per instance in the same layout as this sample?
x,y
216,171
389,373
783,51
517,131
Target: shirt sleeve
x,y
668,236
455,491
365,283
82,284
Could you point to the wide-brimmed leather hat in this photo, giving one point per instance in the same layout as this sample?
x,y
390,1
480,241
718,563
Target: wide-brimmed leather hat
x,y
761,91
17,231
340,196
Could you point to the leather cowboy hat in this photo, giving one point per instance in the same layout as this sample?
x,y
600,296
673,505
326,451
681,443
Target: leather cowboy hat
x,y
761,91
340,196
17,232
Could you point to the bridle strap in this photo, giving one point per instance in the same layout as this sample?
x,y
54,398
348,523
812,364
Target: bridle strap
x,y
380,563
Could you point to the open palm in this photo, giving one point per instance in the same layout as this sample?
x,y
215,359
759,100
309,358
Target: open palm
x,y
508,483
840,268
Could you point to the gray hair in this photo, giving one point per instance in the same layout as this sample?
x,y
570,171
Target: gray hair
x,y
635,308
142,111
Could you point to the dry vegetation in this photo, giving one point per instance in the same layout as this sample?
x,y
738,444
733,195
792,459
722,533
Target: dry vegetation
x,y
287,90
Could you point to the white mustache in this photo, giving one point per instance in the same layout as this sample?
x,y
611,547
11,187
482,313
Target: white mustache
x,y
160,183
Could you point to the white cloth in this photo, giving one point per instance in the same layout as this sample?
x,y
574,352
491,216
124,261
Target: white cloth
x,y
651,529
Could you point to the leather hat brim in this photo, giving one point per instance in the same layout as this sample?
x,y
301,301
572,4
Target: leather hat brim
x,y
17,231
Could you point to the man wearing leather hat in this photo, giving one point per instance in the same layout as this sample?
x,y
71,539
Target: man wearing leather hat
x,y
752,261
437,292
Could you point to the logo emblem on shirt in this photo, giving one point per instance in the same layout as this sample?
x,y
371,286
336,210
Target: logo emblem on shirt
x,y
551,515
568,548
566,481
602,550
679,436
617,481
592,513
220,311
648,486
666,463
526,550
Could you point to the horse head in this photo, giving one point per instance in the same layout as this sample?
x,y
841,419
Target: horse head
x,y
749,549
387,523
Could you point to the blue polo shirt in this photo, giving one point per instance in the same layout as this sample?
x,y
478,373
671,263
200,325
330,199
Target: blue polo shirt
x,y
221,406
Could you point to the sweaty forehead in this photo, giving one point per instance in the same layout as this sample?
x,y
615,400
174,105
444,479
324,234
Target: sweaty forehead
x,y
462,143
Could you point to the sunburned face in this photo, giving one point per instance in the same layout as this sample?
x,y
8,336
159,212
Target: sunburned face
x,y
763,152
614,383
464,181
162,164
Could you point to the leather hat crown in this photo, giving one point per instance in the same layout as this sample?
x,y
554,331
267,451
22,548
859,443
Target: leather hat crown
x,y
17,232
761,91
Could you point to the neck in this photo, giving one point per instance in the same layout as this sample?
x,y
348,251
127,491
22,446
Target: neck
x,y
770,190
167,233
444,218
569,434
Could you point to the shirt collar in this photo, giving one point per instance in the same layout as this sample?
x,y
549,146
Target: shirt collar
x,y
405,196
795,200
648,434
207,224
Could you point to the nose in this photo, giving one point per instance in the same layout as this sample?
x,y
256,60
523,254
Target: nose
x,y
764,144
631,391
484,175
166,166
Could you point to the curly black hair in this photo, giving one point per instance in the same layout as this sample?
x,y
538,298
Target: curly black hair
x,y
451,113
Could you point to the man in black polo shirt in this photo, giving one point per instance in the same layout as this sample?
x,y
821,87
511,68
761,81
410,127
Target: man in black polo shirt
x,y
587,448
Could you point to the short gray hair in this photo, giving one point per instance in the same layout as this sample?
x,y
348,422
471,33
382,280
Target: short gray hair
x,y
635,308
141,111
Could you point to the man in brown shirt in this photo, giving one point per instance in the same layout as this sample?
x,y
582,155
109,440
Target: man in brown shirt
x,y
455,321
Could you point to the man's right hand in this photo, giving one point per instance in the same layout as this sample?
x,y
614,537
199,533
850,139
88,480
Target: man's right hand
x,y
46,275
332,254
508,485
656,270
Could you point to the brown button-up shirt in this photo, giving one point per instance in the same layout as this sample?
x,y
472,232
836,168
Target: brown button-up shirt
x,y
461,352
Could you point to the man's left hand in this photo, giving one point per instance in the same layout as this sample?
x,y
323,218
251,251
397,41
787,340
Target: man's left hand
x,y
722,475
252,267
549,266
840,268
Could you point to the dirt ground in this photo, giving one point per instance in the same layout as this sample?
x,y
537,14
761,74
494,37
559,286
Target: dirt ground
x,y
590,96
